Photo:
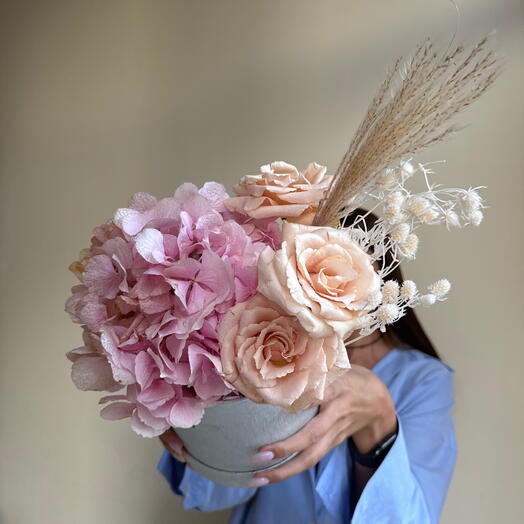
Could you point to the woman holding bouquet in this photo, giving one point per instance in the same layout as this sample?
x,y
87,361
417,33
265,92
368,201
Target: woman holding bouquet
x,y
381,449
188,299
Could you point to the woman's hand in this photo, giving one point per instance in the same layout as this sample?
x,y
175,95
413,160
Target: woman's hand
x,y
173,443
357,404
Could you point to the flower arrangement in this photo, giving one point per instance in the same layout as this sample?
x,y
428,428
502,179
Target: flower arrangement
x,y
203,296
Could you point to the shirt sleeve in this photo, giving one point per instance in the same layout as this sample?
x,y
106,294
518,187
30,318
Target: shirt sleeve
x,y
198,492
410,485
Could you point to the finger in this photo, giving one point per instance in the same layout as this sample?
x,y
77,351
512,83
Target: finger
x,y
178,453
170,438
331,405
173,443
305,460
308,436
330,394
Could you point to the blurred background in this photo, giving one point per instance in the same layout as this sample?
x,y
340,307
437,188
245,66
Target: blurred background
x,y
100,99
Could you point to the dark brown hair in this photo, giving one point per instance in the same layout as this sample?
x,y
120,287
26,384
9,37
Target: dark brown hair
x,y
407,332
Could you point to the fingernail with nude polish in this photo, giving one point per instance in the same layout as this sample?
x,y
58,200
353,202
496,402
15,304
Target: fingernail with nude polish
x,y
263,457
258,482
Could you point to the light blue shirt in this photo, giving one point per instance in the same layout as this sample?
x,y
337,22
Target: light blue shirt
x,y
409,486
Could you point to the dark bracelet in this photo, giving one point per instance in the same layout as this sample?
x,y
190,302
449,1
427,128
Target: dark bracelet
x,y
374,458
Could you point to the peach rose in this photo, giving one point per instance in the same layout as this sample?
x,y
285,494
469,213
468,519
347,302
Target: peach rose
x,y
320,276
270,358
280,191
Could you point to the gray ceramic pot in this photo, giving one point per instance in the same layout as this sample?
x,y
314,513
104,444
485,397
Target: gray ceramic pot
x,y
231,432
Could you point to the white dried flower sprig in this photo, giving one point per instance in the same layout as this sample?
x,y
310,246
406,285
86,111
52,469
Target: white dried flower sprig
x,y
403,212
453,207
390,292
408,290
391,303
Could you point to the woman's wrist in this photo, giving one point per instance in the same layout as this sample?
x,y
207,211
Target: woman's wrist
x,y
381,426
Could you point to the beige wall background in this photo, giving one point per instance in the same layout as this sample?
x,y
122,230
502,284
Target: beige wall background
x,y
100,99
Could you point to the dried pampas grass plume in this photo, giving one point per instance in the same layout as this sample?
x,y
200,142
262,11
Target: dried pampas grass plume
x,y
411,111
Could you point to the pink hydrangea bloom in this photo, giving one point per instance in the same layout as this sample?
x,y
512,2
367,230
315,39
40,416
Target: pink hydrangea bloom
x,y
155,283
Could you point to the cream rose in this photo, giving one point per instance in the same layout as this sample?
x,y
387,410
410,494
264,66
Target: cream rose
x,y
320,276
270,358
280,191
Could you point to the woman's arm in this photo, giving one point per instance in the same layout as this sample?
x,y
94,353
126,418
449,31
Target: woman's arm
x,y
413,479
366,440
410,484
357,403
367,456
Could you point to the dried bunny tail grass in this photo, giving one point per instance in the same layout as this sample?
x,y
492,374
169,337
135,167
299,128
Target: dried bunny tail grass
x,y
411,111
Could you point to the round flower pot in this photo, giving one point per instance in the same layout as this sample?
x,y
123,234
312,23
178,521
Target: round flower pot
x,y
221,447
